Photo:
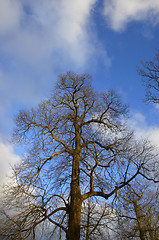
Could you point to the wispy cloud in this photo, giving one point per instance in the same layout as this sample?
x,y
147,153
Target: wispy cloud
x,y
38,39
7,157
43,30
119,13
142,130
10,15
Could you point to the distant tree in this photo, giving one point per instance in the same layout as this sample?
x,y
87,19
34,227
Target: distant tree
x,y
150,76
77,146
98,220
137,212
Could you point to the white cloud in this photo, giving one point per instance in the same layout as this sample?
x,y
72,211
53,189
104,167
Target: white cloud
x,y
10,14
142,130
7,158
37,40
120,12
41,30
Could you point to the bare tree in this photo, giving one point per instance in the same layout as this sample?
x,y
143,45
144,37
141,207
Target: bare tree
x,y
98,220
137,211
150,76
77,146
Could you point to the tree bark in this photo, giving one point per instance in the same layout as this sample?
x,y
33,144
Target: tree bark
x,y
138,216
88,221
73,232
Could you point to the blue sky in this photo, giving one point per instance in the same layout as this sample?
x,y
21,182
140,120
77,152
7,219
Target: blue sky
x,y
41,39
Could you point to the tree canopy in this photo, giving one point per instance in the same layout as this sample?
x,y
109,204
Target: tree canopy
x,y
77,146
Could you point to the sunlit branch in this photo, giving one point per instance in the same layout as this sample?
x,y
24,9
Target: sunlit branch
x,y
108,147
106,196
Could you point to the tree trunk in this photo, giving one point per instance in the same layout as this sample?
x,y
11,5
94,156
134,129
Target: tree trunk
x,y
74,221
88,221
138,216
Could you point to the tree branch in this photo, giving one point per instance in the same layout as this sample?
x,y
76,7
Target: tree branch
x,y
106,196
150,179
